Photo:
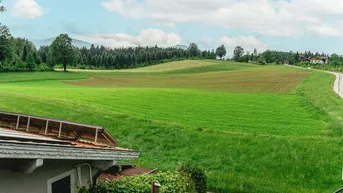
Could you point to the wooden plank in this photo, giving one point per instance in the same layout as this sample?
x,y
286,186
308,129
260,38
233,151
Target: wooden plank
x,y
28,124
18,120
112,145
46,127
55,120
60,131
96,135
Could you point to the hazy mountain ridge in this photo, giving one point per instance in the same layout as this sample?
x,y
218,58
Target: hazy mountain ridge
x,y
47,42
184,47
80,43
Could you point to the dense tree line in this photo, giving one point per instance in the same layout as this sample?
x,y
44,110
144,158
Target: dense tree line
x,y
122,58
18,54
277,57
270,57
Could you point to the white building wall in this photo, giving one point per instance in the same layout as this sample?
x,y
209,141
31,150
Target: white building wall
x,y
37,182
317,61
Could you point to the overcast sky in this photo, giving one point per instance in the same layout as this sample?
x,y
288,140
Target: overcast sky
x,y
297,25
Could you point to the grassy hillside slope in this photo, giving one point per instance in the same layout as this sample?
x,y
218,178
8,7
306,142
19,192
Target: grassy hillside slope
x,y
247,141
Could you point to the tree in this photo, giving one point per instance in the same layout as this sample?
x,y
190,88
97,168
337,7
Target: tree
x,y
30,62
25,54
335,60
221,51
43,53
261,60
62,51
2,8
36,58
193,50
296,57
238,53
6,44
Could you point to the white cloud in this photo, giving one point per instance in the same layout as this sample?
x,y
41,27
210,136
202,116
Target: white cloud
x,y
246,42
146,37
268,17
324,31
26,9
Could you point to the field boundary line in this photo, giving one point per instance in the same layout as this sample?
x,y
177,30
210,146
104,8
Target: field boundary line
x,y
338,84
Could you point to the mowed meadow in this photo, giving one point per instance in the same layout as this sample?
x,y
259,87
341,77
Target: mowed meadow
x,y
253,128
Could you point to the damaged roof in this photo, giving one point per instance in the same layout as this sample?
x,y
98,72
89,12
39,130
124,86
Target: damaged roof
x,y
70,140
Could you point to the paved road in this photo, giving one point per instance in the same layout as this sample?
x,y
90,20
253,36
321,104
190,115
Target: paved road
x,y
338,85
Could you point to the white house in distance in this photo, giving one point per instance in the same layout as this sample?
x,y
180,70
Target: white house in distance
x,y
319,60
42,155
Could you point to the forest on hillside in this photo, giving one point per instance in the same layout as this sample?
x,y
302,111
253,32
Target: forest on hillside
x,y
19,54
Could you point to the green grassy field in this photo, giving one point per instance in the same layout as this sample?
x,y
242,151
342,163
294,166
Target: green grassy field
x,y
254,128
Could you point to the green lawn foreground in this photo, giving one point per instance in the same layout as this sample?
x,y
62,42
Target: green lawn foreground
x,y
255,157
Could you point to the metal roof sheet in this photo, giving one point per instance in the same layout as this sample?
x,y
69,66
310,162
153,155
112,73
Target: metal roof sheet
x,y
32,150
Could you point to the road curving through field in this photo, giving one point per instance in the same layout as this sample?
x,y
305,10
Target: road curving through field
x,y
338,84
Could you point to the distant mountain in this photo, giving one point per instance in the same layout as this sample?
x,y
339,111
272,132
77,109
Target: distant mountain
x,y
184,47
47,42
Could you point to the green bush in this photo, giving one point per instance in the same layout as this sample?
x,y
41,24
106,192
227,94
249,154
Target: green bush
x,y
42,67
197,174
176,182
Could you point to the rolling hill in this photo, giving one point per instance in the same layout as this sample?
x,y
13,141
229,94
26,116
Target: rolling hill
x,y
253,128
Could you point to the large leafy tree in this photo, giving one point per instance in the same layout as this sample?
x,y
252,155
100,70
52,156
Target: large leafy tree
x,y
193,50
221,51
238,53
62,51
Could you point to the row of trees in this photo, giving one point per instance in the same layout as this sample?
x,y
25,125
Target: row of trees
x,y
269,56
17,54
280,57
122,58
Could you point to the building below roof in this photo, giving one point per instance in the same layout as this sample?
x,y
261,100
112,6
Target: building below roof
x,y
53,156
